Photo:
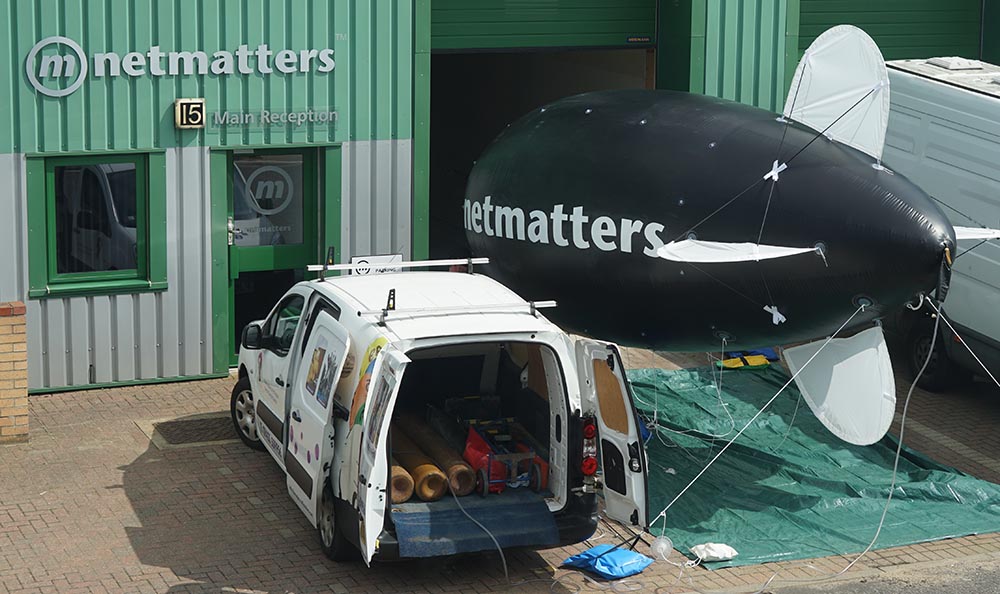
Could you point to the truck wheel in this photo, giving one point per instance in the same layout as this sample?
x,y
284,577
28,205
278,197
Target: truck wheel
x,y
331,539
941,372
241,409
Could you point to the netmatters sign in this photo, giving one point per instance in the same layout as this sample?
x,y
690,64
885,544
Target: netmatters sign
x,y
57,66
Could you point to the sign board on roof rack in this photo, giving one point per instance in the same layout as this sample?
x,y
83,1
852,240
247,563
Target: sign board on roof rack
x,y
379,264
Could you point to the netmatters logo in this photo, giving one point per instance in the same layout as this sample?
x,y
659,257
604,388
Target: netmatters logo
x,y
57,66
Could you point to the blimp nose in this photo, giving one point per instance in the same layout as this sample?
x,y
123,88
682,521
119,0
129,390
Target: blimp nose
x,y
925,236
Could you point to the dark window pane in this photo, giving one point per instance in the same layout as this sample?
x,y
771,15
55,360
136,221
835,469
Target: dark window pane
x,y
95,217
122,184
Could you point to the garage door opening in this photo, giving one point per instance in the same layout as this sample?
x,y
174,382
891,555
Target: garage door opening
x,y
476,95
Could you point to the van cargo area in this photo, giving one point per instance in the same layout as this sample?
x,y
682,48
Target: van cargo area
x,y
501,406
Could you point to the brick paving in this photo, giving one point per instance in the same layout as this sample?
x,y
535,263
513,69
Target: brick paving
x,y
89,505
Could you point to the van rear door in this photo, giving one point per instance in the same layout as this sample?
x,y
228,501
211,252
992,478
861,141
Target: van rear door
x,y
605,392
312,399
373,467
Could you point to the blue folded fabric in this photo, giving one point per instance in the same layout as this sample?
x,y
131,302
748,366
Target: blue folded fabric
x,y
608,562
644,432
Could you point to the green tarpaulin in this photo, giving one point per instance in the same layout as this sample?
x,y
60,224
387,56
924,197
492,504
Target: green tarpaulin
x,y
788,490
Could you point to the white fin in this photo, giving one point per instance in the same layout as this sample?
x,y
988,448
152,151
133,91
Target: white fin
x,y
849,386
693,250
976,233
841,67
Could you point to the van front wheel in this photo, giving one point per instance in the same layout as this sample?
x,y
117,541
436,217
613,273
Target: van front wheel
x,y
244,415
331,539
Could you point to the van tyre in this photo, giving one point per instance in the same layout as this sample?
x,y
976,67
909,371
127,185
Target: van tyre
x,y
331,538
244,415
941,372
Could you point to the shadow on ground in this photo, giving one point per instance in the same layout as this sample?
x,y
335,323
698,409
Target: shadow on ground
x,y
220,518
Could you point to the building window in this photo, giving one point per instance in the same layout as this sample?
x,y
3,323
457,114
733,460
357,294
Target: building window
x,y
93,230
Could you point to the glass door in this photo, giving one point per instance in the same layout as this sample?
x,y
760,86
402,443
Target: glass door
x,y
273,218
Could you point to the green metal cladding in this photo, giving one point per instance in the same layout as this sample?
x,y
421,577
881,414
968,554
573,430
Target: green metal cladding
x,y
497,24
742,50
371,85
991,31
901,28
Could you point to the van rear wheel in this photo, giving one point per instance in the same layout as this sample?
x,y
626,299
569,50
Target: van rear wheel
x,y
331,538
244,415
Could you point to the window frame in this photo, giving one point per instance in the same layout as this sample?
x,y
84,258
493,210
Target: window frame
x,y
44,278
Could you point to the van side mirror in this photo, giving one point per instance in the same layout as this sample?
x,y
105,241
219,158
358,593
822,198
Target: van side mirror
x,y
251,338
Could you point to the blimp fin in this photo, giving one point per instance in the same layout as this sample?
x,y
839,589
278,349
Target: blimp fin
x,y
841,87
848,384
696,251
976,233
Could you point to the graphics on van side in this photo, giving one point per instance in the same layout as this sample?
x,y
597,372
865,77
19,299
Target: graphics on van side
x,y
366,368
315,366
326,380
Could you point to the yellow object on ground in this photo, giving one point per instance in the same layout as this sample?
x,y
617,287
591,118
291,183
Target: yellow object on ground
x,y
747,362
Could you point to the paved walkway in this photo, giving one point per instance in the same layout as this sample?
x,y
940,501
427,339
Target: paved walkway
x,y
90,505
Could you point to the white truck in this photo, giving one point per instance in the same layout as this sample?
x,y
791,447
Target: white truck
x,y
944,135
321,378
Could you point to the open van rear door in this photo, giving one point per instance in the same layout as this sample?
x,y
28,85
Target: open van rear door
x,y
373,467
312,400
608,396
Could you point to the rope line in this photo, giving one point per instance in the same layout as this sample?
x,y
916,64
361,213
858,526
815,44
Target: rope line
x,y
971,352
969,250
892,483
663,513
834,122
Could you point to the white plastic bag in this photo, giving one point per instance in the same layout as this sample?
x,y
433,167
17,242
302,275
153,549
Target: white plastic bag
x,y
713,551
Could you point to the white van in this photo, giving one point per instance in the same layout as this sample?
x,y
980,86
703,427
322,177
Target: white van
x,y
944,135
323,376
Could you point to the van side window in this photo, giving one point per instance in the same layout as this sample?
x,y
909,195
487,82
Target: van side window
x,y
279,330
321,305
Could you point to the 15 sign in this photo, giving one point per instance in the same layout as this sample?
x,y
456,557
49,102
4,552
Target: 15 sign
x,y
189,113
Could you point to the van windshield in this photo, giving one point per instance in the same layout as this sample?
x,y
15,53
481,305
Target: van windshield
x,y
122,183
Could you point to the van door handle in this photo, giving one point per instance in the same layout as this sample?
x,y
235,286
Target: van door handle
x,y
279,381
296,416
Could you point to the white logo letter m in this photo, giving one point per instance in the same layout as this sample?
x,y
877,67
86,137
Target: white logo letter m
x,y
57,66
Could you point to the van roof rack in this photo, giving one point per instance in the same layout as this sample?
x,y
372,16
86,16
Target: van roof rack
x,y
530,307
467,262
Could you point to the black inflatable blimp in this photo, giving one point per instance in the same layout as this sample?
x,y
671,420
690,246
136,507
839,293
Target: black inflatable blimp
x,y
664,220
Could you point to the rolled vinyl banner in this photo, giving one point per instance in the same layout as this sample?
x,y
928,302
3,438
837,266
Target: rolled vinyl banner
x,y
461,478
429,482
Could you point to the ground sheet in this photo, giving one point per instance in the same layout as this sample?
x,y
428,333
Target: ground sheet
x,y
787,488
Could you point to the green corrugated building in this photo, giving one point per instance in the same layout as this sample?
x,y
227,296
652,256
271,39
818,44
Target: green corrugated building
x,y
171,166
